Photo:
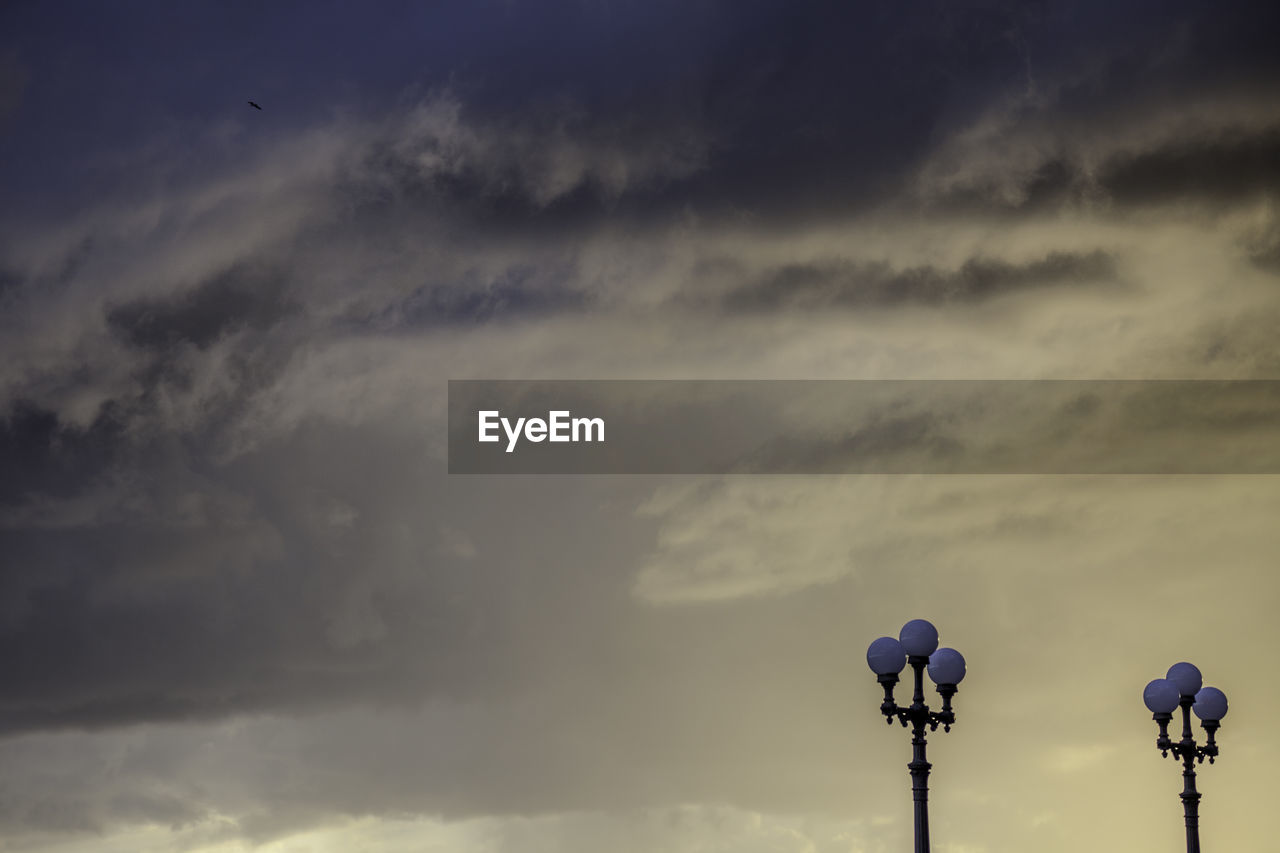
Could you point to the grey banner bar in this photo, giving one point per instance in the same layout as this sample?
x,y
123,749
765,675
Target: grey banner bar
x,y
864,427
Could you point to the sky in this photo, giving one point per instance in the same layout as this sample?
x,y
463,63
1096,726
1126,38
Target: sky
x,y
243,605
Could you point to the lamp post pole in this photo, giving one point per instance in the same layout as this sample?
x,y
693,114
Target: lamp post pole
x,y
917,645
1181,688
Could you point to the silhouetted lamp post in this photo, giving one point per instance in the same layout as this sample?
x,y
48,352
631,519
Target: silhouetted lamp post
x,y
1181,688
917,644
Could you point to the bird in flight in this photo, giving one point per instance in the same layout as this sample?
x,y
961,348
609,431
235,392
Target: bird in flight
x,y
255,106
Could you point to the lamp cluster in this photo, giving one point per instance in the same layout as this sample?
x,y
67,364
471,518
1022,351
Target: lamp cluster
x,y
1182,686
917,644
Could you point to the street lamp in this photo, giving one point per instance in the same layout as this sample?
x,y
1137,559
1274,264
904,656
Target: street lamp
x,y
917,644
1182,687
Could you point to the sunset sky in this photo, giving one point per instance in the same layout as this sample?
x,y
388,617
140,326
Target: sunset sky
x,y
243,605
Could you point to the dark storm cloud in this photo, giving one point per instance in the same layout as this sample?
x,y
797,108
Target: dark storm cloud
x,y
1266,257
9,281
523,292
240,298
816,109
13,82
1232,168
553,163
323,570
43,457
199,589
787,110
926,438
503,299
850,284
813,107
1263,247
201,592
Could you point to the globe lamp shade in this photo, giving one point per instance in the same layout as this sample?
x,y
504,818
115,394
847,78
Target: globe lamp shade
x,y
1161,696
920,638
1186,677
946,666
886,656
1210,705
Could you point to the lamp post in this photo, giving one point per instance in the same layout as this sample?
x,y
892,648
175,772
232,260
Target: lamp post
x,y
917,645
1182,688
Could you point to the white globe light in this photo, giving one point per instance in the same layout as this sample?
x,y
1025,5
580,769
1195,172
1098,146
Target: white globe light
x,y
886,657
1187,677
946,666
918,637
1161,696
1211,704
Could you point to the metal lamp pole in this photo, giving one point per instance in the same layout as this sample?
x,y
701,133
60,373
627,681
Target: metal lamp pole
x,y
1182,688
917,645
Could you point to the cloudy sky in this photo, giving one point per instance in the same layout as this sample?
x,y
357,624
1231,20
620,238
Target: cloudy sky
x,y
244,607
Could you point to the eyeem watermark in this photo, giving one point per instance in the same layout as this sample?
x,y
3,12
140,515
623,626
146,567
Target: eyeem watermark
x,y
1056,426
559,426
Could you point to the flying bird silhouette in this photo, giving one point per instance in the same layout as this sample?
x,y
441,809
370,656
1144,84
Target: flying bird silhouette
x,y
255,106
